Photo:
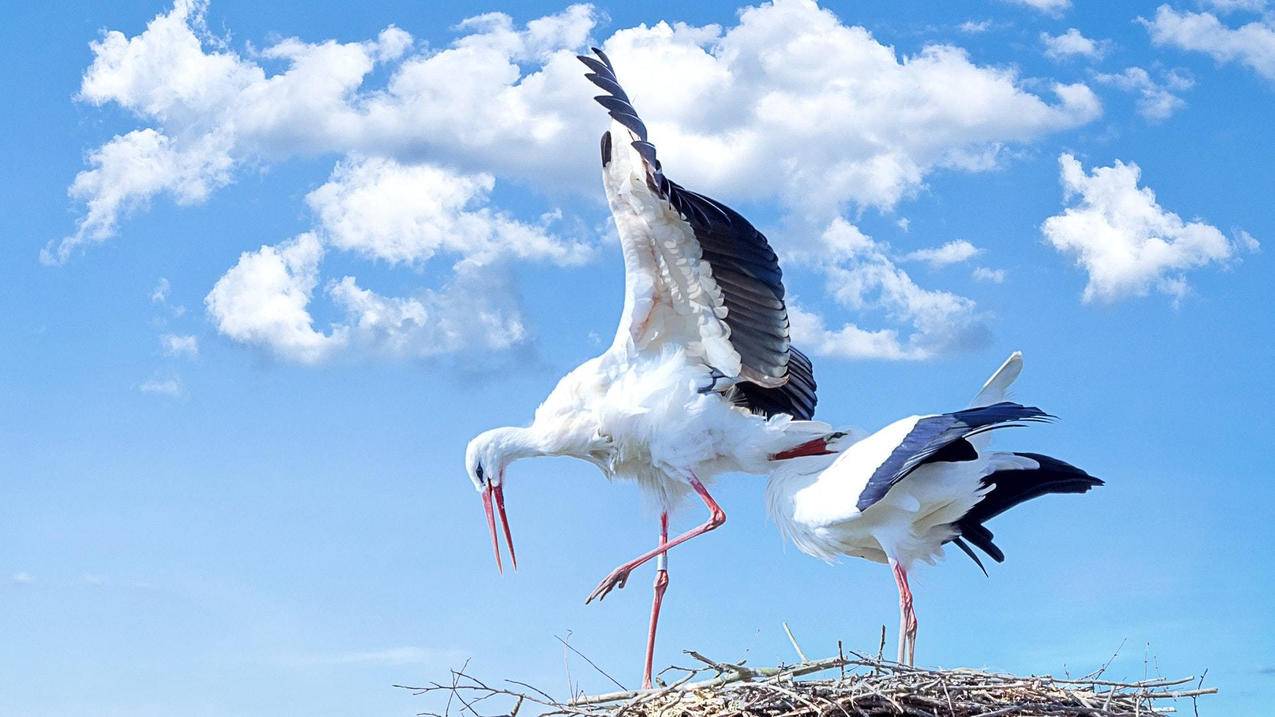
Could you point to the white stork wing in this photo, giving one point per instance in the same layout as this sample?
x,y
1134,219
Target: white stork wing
x,y
942,438
696,272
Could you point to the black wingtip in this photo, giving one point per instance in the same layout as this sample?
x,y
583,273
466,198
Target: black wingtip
x,y
603,56
965,548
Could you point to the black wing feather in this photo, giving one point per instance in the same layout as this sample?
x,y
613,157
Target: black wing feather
x,y
1011,487
796,398
743,263
933,434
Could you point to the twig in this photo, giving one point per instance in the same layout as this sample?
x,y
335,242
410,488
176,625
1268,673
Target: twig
x,y
795,646
591,663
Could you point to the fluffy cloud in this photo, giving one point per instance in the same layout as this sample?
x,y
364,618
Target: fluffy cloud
x,y
1125,240
1156,101
263,301
953,252
472,313
853,121
1252,44
1071,44
407,213
862,277
128,171
829,116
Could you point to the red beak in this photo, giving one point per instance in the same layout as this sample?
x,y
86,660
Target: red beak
x,y
498,492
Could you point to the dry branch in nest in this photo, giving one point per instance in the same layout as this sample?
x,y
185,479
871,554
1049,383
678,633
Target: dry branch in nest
x,y
861,687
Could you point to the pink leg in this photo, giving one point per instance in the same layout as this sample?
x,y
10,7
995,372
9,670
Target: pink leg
x,y
907,615
661,583
620,575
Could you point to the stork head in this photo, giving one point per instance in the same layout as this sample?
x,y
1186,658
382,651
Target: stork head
x,y
485,461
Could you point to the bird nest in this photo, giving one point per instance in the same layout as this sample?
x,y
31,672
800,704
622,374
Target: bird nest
x,y
848,685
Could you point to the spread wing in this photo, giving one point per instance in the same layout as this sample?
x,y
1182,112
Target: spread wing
x,y
697,273
943,438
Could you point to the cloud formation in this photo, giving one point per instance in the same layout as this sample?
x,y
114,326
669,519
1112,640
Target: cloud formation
x,y
406,214
1251,44
832,119
862,278
953,252
1125,240
1071,44
1156,101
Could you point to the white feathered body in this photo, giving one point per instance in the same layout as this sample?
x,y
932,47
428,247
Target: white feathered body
x,y
645,418
814,500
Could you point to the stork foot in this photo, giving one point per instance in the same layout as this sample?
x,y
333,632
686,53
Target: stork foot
x,y
616,580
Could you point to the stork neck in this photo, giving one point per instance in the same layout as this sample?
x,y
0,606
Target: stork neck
x,y
516,442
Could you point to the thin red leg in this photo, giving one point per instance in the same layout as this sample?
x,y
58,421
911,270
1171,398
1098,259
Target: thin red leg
x,y
661,583
907,615
620,575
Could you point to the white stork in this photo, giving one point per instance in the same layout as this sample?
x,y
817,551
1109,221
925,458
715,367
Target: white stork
x,y
898,495
700,379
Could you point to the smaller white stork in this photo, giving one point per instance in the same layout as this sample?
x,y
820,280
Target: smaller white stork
x,y
898,495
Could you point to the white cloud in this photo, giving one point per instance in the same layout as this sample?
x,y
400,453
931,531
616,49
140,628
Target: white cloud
x,y
473,313
953,252
160,294
263,299
855,121
789,105
1125,240
1072,44
22,578
1252,44
991,276
1156,101
406,213
862,277
128,171
1049,7
1227,6
973,27
161,386
177,345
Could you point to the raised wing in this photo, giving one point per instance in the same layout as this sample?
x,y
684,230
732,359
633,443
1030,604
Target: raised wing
x,y
943,438
697,272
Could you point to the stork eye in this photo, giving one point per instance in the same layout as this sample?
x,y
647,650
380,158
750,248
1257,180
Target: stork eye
x,y
479,471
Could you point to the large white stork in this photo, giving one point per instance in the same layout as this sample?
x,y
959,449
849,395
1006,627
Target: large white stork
x,y
700,379
898,495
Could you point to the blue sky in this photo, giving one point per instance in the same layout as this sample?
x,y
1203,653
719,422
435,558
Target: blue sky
x,y
269,268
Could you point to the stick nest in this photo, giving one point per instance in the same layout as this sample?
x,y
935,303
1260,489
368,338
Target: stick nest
x,y
846,686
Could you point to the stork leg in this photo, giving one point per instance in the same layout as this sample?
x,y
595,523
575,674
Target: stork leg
x,y
907,615
661,583
620,575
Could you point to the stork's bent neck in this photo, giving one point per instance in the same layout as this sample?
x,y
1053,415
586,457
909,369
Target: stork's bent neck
x,y
512,443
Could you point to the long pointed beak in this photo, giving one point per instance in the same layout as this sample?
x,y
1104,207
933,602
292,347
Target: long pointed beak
x,y
491,526
498,493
